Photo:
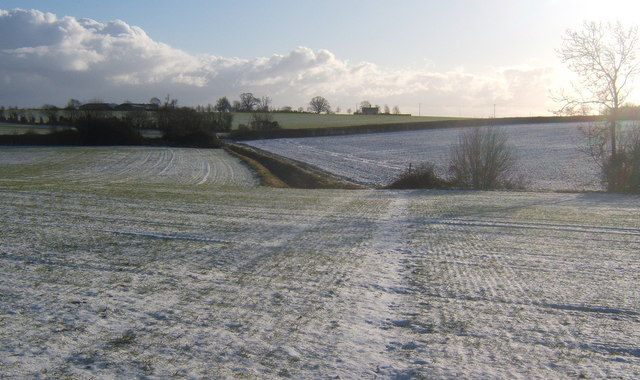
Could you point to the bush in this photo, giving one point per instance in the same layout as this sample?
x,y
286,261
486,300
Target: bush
x,y
483,160
195,139
619,173
187,127
622,173
263,122
422,177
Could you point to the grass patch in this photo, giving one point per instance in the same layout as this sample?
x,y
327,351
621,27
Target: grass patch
x,y
266,177
276,170
310,121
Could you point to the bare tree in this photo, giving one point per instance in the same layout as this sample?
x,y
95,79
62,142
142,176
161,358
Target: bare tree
x,y
364,104
386,109
319,104
51,112
169,102
483,160
263,104
605,57
72,109
247,102
396,110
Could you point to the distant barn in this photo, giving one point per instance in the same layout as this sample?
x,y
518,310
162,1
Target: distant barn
x,y
370,110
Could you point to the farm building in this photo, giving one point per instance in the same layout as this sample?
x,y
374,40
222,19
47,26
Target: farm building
x,y
370,110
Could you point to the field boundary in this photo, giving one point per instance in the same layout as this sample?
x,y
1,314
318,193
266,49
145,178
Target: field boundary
x,y
276,171
398,127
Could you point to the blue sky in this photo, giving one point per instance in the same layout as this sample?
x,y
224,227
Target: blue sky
x,y
497,46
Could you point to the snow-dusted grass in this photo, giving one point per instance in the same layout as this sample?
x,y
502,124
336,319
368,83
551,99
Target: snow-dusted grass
x,y
122,165
297,120
550,156
19,129
103,277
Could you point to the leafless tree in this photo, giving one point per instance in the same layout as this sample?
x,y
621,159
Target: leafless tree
x,y
170,102
247,102
263,104
51,112
319,104
396,110
605,58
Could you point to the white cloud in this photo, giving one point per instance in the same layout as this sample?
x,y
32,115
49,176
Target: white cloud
x,y
47,59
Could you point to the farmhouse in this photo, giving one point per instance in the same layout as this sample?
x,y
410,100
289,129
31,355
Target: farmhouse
x,y
370,110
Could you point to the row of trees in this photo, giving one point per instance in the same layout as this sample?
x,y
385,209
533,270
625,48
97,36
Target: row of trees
x,y
319,104
143,118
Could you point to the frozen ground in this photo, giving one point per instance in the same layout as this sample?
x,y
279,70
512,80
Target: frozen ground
x,y
123,165
104,277
550,155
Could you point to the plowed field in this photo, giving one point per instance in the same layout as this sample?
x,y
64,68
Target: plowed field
x,y
149,263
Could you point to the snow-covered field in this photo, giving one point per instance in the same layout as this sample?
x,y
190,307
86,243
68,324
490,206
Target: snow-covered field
x,y
121,263
550,156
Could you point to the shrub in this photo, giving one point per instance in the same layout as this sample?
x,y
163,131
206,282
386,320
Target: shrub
x,y
622,173
422,177
483,160
619,173
194,139
263,122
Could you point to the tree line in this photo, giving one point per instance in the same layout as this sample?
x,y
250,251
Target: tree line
x,y
143,115
101,123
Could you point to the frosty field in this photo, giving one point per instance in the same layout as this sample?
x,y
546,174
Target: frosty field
x,y
161,263
549,154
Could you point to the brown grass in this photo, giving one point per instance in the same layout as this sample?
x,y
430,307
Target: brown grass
x,y
294,174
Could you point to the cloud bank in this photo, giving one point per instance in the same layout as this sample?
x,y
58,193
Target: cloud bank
x,y
49,59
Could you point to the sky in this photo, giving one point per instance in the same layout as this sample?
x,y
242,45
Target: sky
x,y
441,58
